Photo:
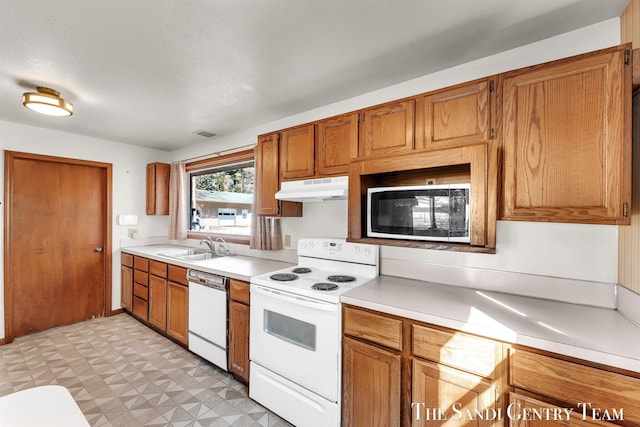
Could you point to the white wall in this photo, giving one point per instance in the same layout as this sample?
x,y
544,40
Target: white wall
x,y
129,183
587,252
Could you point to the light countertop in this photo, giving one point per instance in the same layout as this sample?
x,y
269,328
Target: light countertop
x,y
595,334
238,267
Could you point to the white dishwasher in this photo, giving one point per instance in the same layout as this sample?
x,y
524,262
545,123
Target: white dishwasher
x,y
208,316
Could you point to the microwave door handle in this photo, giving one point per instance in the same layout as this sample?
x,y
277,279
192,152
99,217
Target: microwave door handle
x,y
295,299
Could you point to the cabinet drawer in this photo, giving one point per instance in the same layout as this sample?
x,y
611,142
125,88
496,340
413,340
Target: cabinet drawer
x,y
140,263
158,268
141,291
140,308
126,259
374,327
456,349
574,383
177,274
239,291
141,277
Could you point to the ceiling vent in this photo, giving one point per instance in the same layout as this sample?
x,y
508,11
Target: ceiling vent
x,y
204,133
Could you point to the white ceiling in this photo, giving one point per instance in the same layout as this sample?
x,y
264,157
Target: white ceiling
x,y
152,72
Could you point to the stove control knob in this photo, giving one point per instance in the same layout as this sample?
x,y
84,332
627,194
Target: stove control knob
x,y
366,251
356,249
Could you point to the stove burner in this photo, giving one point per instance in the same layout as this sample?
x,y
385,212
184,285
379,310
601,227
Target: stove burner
x,y
341,278
323,286
283,277
301,270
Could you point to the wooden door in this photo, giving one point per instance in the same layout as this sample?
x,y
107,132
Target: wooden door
x,y
267,174
455,116
268,180
126,283
57,242
177,304
567,142
239,340
371,386
158,302
438,386
297,152
335,139
387,129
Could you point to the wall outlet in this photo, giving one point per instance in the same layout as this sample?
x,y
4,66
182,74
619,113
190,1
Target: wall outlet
x,y
132,233
287,240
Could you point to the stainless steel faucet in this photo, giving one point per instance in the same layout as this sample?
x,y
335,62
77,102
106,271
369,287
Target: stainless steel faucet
x,y
223,248
210,243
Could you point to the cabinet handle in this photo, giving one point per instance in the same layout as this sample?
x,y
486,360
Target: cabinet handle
x,y
497,392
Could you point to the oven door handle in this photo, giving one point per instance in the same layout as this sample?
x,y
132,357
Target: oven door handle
x,y
295,299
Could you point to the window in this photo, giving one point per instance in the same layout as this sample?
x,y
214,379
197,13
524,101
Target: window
x,y
221,196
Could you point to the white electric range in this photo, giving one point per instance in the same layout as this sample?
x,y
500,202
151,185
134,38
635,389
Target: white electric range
x,y
295,336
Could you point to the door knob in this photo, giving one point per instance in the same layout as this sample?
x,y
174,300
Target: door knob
x,y
98,249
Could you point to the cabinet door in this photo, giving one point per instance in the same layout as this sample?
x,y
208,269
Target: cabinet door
x,y
239,340
387,129
126,280
267,174
455,116
371,386
158,188
158,302
520,414
335,139
177,306
267,181
440,391
297,152
566,140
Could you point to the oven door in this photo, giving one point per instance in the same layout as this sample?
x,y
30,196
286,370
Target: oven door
x,y
297,338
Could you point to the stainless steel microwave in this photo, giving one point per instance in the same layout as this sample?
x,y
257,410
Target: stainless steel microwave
x,y
425,212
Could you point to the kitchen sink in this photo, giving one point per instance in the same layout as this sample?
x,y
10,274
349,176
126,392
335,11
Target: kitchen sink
x,y
190,255
200,256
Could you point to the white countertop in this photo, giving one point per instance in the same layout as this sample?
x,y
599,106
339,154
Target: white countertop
x,y
238,267
591,333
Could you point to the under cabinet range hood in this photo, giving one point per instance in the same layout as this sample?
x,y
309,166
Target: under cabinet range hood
x,y
314,190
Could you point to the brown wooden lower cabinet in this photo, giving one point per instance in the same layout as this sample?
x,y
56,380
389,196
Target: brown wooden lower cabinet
x,y
177,314
239,330
158,302
432,375
371,385
159,295
126,280
440,393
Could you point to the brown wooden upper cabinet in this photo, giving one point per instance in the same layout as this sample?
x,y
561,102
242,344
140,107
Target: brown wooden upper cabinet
x,y
567,142
318,149
455,116
387,129
267,181
335,137
297,152
158,188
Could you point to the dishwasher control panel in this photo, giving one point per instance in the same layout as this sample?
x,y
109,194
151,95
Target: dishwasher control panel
x,y
207,279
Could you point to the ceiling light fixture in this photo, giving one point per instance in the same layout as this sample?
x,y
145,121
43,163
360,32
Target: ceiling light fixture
x,y
47,101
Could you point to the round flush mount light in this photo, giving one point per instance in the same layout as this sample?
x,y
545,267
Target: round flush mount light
x,y
47,101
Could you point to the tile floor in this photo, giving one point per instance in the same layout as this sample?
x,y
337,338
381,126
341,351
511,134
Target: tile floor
x,y
122,374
